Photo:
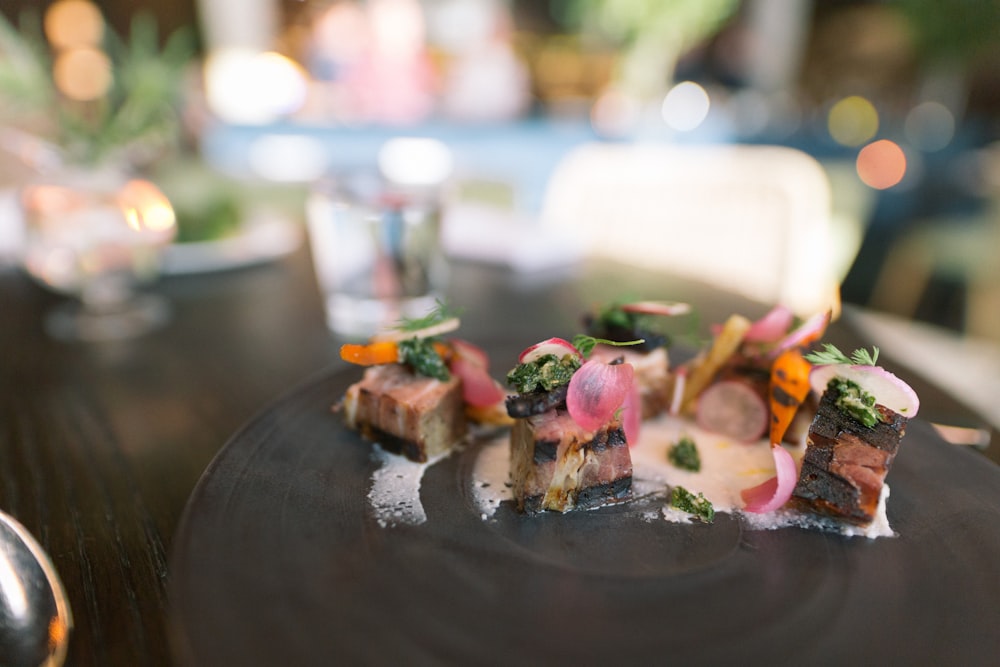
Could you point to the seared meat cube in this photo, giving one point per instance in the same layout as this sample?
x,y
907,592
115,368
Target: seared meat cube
x,y
409,414
556,465
846,462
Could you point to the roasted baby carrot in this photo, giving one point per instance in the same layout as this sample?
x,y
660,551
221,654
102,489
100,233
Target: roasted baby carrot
x,y
370,354
789,386
383,352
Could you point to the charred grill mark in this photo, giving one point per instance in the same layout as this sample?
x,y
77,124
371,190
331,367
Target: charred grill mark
x,y
615,491
395,444
783,397
520,406
545,451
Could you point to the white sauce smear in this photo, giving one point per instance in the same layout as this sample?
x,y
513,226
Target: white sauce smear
x,y
727,467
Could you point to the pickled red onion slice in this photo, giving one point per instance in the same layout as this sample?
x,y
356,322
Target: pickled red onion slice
x,y
775,492
471,365
596,391
807,332
632,415
771,327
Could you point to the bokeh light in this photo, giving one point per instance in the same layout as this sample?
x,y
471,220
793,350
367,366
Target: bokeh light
x,y
852,121
82,74
930,126
71,24
145,207
615,113
415,161
685,106
244,86
881,164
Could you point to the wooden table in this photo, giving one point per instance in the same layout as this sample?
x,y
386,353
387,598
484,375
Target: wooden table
x,y
101,444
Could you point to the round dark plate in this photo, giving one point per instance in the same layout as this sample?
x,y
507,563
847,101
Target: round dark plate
x,y
279,560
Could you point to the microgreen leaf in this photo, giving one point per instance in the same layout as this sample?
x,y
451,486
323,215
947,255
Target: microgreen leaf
x,y
831,355
586,344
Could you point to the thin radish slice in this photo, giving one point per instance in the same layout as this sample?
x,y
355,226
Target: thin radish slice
x,y
887,389
667,308
775,492
596,391
771,327
733,409
555,346
396,335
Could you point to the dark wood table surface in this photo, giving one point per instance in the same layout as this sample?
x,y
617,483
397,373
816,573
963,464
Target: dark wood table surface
x,y
102,444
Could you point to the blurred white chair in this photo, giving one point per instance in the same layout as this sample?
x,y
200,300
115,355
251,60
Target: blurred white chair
x,y
756,220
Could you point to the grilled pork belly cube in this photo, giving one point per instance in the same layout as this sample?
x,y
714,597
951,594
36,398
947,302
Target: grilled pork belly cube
x,y
846,462
651,374
556,465
408,414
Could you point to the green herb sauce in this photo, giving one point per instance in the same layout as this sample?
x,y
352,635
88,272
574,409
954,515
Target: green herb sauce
x,y
698,506
544,374
684,455
854,401
420,355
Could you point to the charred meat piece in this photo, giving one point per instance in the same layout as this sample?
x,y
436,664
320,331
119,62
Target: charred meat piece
x,y
408,414
556,465
536,402
846,462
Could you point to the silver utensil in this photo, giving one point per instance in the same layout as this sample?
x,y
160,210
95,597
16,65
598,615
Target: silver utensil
x,y
35,618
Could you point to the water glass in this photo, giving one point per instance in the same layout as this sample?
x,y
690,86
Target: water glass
x,y
376,250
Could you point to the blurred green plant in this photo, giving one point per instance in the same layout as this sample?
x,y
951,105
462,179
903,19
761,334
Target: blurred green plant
x,y
652,34
960,31
138,116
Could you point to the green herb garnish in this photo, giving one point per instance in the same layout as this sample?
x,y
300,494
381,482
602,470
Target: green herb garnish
x,y
586,344
855,401
698,506
441,312
831,355
419,354
684,454
544,374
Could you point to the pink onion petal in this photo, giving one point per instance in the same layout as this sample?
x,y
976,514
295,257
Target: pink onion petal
x,y
775,492
805,333
771,327
632,415
470,352
557,346
478,388
596,391
667,308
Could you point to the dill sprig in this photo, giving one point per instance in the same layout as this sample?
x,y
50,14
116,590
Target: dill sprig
x,y
831,355
441,312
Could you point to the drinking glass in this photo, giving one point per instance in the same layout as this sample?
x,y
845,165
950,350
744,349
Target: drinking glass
x,y
376,251
96,236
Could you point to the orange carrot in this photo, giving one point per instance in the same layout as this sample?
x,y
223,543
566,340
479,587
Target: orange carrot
x,y
789,387
383,352
370,354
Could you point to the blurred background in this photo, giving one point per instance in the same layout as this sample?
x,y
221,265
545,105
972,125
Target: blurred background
x,y
897,103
